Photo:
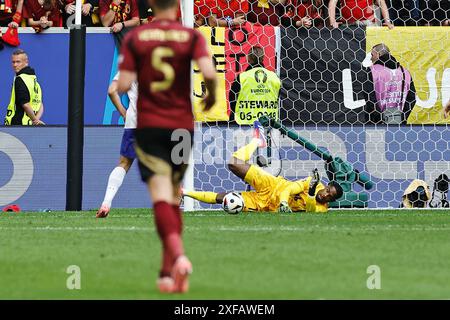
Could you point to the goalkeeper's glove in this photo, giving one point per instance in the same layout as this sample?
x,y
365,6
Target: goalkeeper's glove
x,y
315,178
284,207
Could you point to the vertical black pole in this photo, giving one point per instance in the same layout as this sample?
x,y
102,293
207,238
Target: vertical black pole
x,y
75,135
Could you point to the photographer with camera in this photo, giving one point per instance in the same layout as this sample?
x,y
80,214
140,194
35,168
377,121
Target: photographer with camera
x,y
416,195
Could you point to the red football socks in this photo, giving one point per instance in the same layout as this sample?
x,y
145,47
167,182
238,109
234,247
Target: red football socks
x,y
168,225
176,209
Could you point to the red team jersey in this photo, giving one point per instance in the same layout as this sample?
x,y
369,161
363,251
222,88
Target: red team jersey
x,y
229,8
33,9
357,10
203,8
298,9
161,52
264,13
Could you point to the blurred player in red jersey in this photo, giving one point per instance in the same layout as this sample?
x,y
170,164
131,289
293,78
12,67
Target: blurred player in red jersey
x,y
158,55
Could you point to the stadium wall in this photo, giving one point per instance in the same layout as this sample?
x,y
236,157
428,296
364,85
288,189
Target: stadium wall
x,y
392,156
33,161
324,81
49,55
33,168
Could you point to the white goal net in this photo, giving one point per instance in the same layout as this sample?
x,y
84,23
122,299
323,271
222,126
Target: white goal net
x,y
384,118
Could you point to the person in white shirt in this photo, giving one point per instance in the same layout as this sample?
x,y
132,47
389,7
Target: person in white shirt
x,y
127,153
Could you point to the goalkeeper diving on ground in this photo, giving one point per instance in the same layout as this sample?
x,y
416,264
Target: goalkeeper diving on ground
x,y
272,194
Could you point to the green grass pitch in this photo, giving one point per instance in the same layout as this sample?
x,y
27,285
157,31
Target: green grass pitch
x,y
246,256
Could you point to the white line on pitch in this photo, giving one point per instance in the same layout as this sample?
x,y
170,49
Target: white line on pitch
x,y
246,229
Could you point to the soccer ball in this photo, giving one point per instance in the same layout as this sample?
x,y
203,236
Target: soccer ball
x,y
233,203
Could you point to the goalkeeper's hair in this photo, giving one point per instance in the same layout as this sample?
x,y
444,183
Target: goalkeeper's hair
x,y
339,190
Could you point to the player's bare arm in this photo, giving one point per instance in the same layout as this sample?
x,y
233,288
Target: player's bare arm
x,y
126,78
115,99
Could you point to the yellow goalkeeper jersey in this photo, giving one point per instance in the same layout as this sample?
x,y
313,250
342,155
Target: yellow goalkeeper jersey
x,y
270,191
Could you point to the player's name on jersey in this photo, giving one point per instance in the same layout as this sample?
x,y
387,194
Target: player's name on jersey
x,y
164,35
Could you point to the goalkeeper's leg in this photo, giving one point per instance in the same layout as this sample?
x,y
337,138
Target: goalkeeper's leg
x,y
239,162
204,196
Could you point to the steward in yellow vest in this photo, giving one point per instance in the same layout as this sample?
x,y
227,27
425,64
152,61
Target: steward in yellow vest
x,y
25,106
255,92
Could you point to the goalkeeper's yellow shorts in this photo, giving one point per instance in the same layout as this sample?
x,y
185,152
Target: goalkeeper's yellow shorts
x,y
263,183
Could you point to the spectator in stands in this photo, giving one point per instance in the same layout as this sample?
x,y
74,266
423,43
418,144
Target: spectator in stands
x,y
359,12
304,13
394,88
42,14
436,12
228,13
89,16
25,106
447,109
11,13
145,11
119,14
266,12
202,11
405,12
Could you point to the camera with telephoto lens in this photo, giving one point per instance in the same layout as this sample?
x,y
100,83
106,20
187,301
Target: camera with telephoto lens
x,y
418,198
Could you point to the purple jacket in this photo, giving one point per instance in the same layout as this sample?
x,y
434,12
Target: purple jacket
x,y
388,86
393,91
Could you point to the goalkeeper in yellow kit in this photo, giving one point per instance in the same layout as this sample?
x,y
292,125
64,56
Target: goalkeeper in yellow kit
x,y
272,193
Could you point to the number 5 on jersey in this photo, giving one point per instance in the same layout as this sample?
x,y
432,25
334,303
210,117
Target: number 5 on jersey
x,y
165,68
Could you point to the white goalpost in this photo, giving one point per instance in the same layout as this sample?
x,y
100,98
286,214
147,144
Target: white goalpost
x,y
187,15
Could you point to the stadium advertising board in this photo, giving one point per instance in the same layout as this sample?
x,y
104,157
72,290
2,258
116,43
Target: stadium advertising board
x,y
229,48
49,55
425,54
315,65
33,168
33,162
324,81
392,156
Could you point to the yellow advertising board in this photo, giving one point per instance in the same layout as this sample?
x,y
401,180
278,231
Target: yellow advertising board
x,y
215,38
229,48
425,52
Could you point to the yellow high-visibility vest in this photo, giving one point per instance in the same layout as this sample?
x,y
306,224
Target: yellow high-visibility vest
x,y
35,92
259,95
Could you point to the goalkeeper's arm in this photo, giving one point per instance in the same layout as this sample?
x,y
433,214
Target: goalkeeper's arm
x,y
311,200
292,189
